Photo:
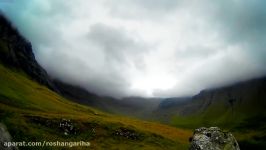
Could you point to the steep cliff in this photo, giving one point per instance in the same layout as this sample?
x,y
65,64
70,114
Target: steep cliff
x,y
16,52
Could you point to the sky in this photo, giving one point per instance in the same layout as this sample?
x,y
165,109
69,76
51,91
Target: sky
x,y
150,48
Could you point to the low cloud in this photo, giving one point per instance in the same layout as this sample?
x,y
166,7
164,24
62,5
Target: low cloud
x,y
145,48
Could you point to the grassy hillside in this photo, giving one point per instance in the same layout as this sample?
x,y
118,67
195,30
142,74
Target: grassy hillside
x,y
239,108
250,130
33,113
246,117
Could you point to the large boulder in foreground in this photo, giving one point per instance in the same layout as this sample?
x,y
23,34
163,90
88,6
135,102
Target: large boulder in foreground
x,y
213,138
5,137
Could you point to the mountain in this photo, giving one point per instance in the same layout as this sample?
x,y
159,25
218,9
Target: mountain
x,y
130,106
137,107
79,94
33,112
239,107
35,108
16,52
248,97
170,107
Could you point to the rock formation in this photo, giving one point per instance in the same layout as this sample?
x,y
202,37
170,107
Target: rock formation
x,y
4,138
213,138
16,52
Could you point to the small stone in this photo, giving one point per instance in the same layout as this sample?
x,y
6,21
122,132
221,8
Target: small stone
x,y
65,133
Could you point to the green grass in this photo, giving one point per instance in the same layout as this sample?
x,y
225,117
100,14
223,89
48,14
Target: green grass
x,y
22,101
246,122
32,112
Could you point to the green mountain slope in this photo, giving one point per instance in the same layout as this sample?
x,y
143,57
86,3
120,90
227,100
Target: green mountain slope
x,y
239,108
33,113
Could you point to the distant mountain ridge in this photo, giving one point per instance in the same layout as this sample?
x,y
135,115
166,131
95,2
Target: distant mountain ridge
x,y
239,101
130,106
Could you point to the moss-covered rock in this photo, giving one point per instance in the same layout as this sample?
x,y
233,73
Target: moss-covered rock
x,y
213,138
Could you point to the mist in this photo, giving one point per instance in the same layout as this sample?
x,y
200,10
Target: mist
x,y
151,48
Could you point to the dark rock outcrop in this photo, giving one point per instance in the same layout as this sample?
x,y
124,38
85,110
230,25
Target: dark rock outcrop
x,y
63,126
127,133
68,127
213,138
16,52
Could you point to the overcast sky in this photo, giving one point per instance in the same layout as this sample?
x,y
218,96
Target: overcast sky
x,y
145,47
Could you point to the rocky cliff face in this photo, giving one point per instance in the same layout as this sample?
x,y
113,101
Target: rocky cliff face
x,y
16,52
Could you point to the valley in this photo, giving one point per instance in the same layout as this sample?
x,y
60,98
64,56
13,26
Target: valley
x,y
34,106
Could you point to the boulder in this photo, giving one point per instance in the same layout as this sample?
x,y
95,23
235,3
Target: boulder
x,y
213,138
5,137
